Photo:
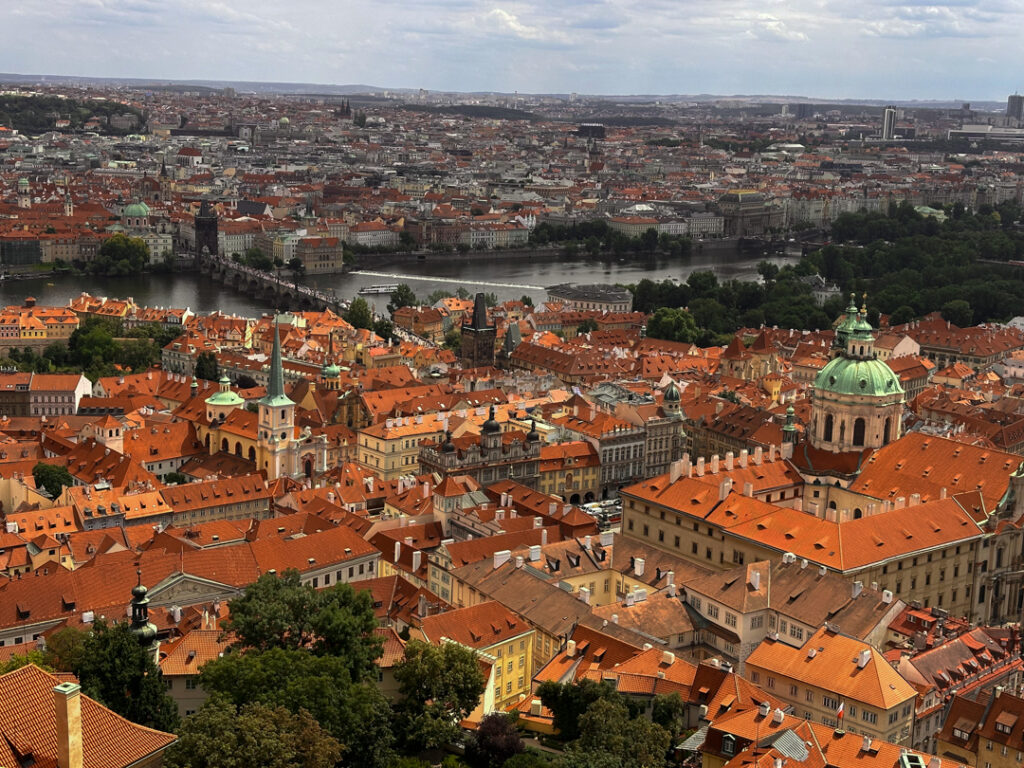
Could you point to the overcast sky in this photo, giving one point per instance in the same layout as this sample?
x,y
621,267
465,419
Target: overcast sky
x,y
957,49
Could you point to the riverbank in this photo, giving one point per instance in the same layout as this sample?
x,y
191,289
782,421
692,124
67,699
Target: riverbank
x,y
508,278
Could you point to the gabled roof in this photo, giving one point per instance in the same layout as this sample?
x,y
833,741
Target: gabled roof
x,y
29,727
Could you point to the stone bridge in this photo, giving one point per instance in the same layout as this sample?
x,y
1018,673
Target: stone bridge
x,y
275,289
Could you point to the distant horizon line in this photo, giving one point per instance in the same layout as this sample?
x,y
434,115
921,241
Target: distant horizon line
x,y
351,89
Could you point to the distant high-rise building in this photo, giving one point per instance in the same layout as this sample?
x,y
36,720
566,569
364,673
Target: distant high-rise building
x,y
888,123
1015,107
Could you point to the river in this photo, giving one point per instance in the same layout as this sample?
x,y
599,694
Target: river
x,y
508,278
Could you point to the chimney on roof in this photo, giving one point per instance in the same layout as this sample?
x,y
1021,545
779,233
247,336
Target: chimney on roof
x,y
755,579
607,538
744,457
714,464
570,649
584,595
544,536
748,489
730,463
865,745
764,708
858,587
501,557
915,499
771,452
758,455
786,451
863,658
586,542
724,487
778,716
67,700
538,522
398,550
700,467
638,566
901,502
417,560
675,471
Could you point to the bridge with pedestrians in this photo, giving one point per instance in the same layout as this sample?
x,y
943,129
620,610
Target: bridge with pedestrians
x,y
271,287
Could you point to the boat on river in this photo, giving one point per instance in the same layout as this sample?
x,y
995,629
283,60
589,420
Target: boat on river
x,y
375,289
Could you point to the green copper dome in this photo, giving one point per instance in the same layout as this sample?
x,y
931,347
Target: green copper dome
x,y
849,376
135,210
225,397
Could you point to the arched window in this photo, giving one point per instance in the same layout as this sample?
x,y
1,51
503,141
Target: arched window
x,y
238,450
252,453
224,445
858,432
829,423
887,433
858,513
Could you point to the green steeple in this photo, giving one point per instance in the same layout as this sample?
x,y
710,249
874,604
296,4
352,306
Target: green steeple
x,y
144,629
276,398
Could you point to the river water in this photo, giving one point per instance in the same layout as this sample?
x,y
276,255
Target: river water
x,y
508,278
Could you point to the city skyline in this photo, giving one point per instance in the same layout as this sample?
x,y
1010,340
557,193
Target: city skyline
x,y
882,49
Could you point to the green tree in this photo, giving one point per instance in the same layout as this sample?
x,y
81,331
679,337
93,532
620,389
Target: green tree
x,y
220,735
384,328
356,714
282,612
206,366
436,296
491,299
527,300
649,240
568,702
120,255
64,649
439,686
359,314
586,326
669,711
672,325
297,266
51,477
495,741
119,673
608,737
453,339
402,296
958,312
19,660
902,314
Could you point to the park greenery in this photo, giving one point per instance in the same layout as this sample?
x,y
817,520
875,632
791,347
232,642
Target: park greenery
x,y
596,238
909,264
38,113
99,347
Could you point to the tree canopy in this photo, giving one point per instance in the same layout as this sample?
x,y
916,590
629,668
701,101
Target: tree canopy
x,y
359,314
402,296
439,685
221,735
52,478
282,612
115,670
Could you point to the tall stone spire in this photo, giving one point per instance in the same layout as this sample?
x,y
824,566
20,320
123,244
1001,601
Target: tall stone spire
x,y
275,387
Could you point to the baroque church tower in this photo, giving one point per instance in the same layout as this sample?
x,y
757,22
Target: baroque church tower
x,y
276,421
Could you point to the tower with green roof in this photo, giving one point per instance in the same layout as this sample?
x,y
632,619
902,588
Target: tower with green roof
x,y
857,399
276,421
222,402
